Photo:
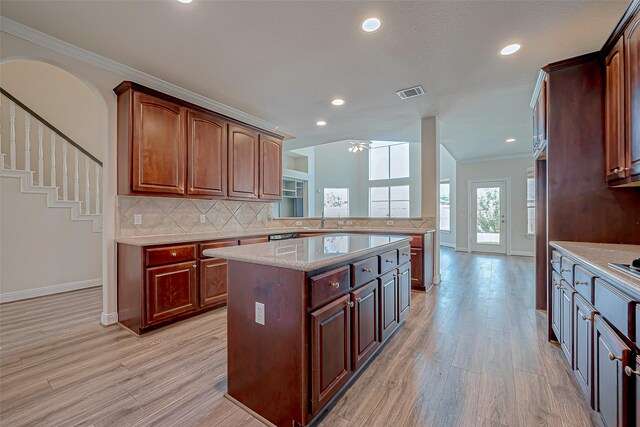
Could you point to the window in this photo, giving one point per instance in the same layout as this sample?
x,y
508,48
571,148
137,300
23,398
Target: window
x,y
445,205
336,202
531,202
389,201
388,160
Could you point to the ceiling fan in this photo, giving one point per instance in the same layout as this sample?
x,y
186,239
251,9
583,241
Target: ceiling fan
x,y
357,146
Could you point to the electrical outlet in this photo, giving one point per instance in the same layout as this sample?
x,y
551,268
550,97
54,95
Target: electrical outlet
x,y
340,222
349,222
137,219
260,313
298,222
389,222
203,218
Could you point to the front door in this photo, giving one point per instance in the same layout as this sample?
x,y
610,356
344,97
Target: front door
x,y
488,217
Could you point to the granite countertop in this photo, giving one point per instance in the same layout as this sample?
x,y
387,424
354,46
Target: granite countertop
x,y
596,256
240,234
310,253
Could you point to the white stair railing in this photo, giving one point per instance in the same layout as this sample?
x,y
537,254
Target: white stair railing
x,y
21,120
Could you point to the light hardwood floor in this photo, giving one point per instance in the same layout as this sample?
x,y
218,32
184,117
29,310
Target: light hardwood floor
x,y
471,353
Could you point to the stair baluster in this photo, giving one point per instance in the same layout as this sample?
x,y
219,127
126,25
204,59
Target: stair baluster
x,y
65,179
27,141
87,191
76,176
53,159
12,137
40,155
97,189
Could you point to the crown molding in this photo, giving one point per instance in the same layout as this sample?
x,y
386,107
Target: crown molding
x,y
492,159
39,38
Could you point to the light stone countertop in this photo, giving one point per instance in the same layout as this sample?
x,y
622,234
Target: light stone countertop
x,y
241,234
310,253
596,257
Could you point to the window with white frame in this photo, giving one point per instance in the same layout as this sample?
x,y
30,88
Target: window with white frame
x,y
531,202
392,201
388,160
445,205
336,202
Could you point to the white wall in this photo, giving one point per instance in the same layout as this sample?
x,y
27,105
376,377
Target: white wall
x,y
448,171
516,170
41,247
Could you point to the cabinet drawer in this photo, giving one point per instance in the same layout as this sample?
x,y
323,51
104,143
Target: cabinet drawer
x,y
329,285
364,271
388,261
615,306
416,241
170,254
254,240
583,283
219,244
566,270
404,255
556,258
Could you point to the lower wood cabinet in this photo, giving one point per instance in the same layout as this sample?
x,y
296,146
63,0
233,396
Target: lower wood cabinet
x,y
583,345
171,291
417,268
389,307
404,291
566,322
366,326
213,281
611,383
556,304
331,350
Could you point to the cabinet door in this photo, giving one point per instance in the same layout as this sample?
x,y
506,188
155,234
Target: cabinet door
x,y
615,159
158,148
632,70
556,305
417,267
270,168
206,154
365,325
170,291
566,323
330,350
611,388
243,162
404,291
389,316
542,114
213,281
583,345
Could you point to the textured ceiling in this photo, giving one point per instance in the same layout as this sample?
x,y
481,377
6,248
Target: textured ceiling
x,y
284,61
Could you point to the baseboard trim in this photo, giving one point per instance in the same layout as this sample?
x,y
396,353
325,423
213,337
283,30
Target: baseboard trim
x,y
459,249
109,318
447,245
49,290
522,253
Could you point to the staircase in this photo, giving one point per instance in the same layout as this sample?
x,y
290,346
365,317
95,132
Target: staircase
x,y
65,161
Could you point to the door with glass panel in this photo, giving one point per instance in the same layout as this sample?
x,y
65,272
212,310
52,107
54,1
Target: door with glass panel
x,y
487,217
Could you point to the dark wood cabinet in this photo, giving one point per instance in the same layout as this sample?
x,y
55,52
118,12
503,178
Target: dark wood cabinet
x,y
365,323
389,316
243,162
404,291
417,268
213,282
583,345
170,291
540,120
614,113
330,350
556,305
566,321
253,240
632,71
611,383
158,145
270,168
206,154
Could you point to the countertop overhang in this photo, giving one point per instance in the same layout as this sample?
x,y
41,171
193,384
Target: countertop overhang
x,y
311,253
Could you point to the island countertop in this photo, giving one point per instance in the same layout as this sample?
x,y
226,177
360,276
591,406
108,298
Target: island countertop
x,y
309,253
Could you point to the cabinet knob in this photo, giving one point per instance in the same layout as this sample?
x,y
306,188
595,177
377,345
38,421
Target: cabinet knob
x,y
366,270
334,284
578,282
359,300
351,303
195,266
586,319
173,254
554,262
630,372
564,270
614,357
388,260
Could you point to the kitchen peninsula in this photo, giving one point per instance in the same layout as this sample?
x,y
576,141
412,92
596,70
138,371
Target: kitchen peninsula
x,y
306,315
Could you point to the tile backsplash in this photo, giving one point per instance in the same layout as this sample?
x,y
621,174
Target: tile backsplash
x,y
165,216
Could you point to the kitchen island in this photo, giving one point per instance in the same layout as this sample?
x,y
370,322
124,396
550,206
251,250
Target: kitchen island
x,y
306,315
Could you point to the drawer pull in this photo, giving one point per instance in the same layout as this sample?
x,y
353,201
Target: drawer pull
x,y
195,266
578,282
366,270
174,254
564,270
351,303
630,372
388,260
405,254
614,357
586,319
334,284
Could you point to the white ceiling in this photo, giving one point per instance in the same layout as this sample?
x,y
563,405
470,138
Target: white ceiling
x,y
284,61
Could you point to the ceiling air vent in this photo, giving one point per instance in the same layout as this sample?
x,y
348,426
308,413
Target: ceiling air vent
x,y
410,92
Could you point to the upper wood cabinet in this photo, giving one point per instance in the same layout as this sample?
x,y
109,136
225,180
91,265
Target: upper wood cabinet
x,y
206,154
270,168
540,119
632,68
614,113
169,147
243,162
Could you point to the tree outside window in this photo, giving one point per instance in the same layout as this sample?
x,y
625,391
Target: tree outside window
x,y
336,202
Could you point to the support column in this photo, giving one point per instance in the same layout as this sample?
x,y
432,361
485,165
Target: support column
x,y
430,153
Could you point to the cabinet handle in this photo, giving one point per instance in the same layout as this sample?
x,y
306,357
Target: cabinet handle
x,y
174,254
366,270
351,303
195,266
578,282
586,319
630,372
614,357
388,260
334,284
405,254
564,270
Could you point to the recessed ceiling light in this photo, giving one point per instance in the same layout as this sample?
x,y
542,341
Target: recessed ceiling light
x,y
337,102
321,123
371,24
511,140
511,49
185,1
